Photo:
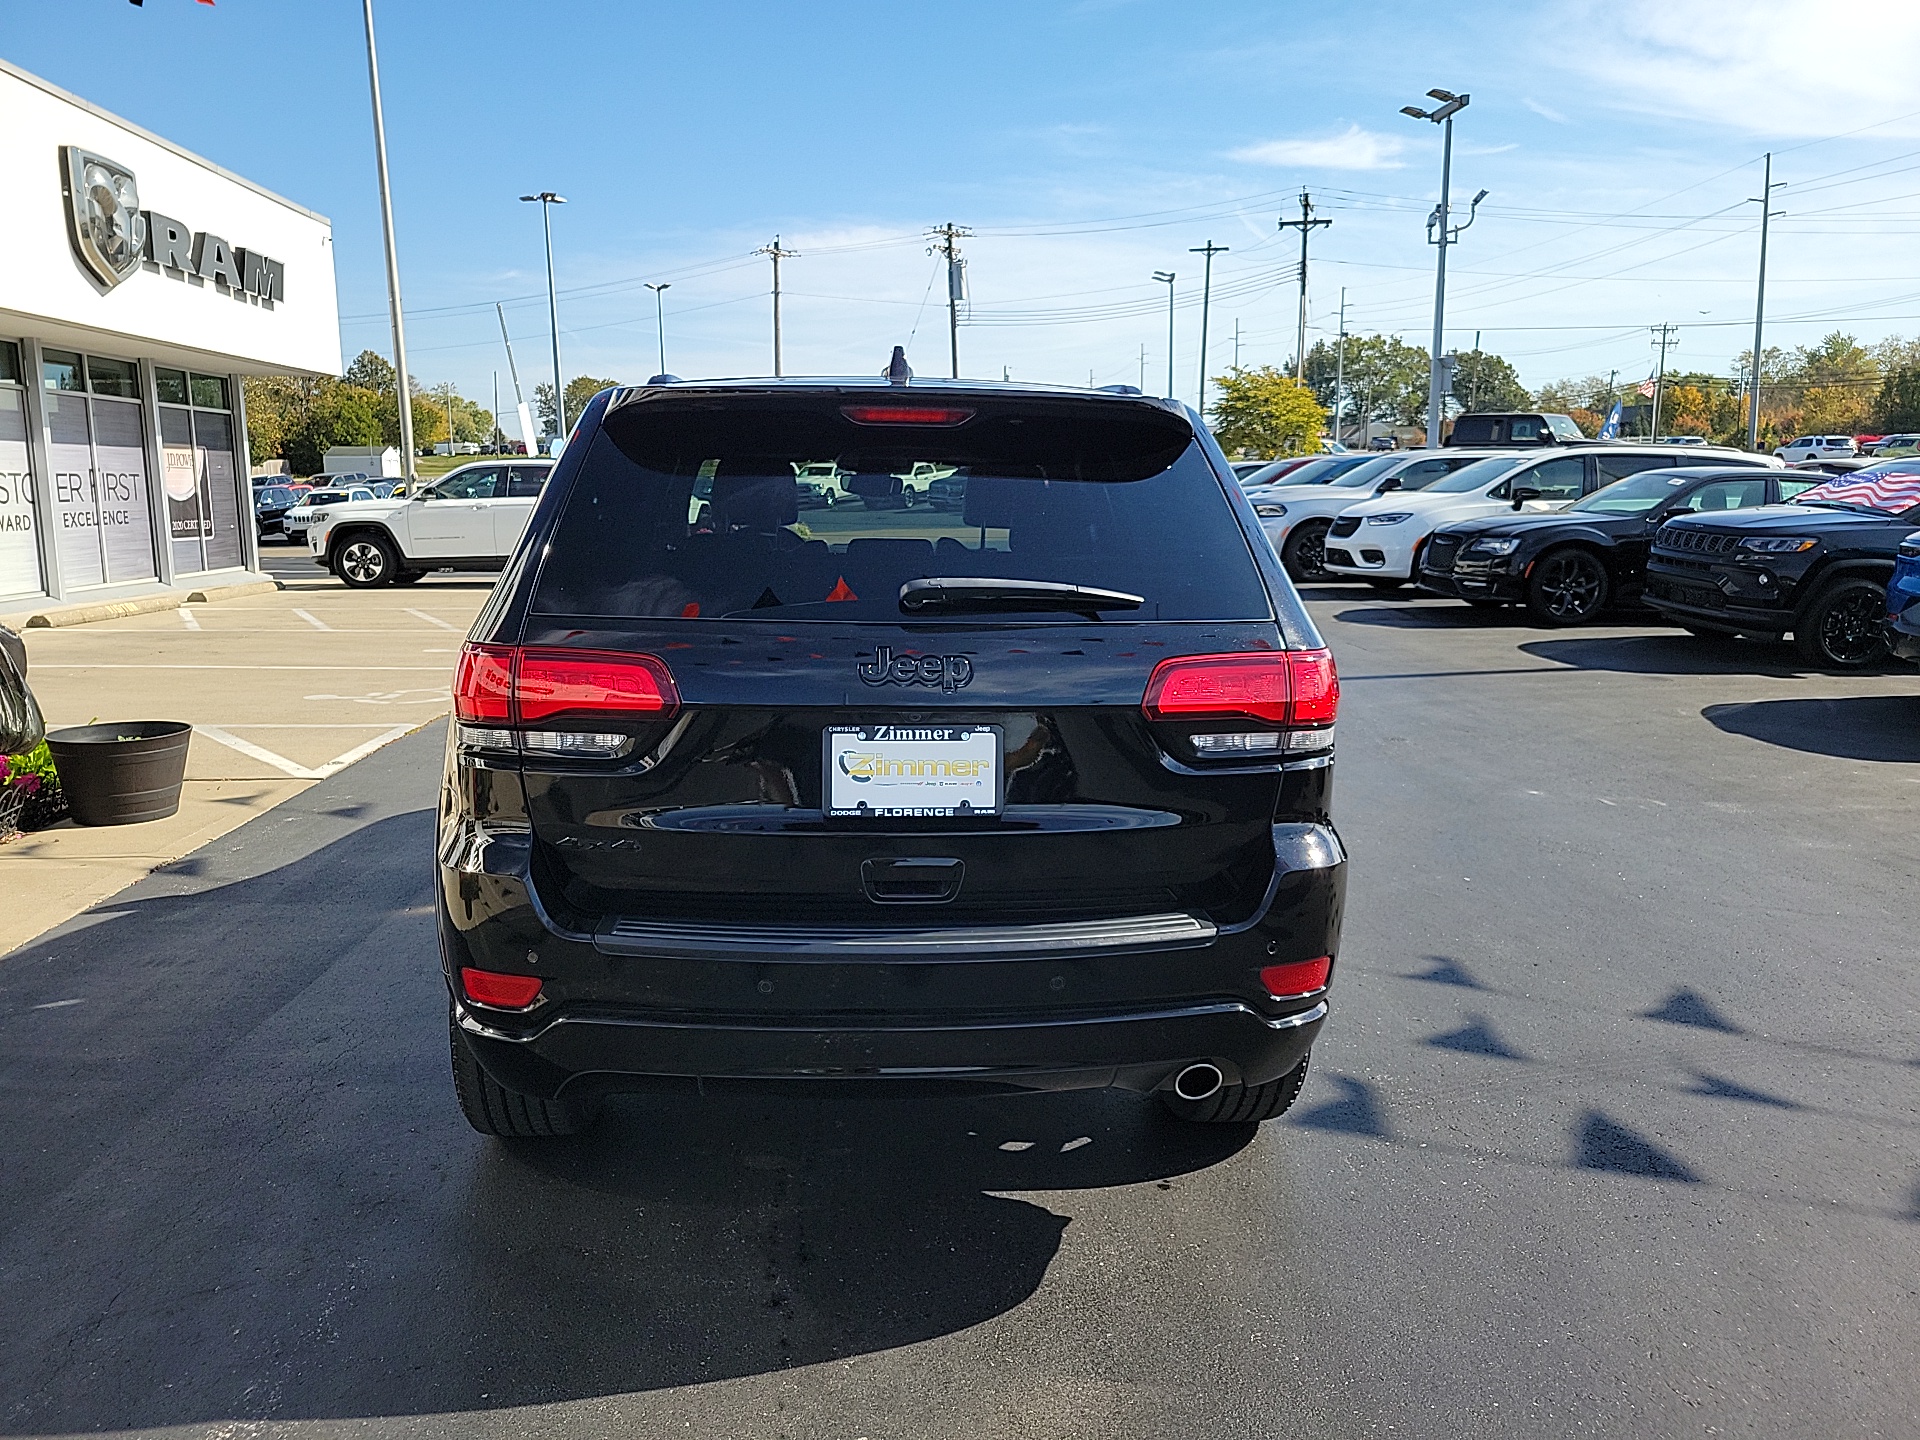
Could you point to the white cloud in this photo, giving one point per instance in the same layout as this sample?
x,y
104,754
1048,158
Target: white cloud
x,y
1357,149
1545,112
1751,65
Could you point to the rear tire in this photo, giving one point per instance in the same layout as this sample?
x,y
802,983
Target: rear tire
x,y
1241,1104
1845,626
492,1109
1304,552
364,561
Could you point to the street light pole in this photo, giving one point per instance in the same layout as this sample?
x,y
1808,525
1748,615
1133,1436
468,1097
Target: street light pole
x,y
1441,232
1166,278
402,386
660,322
547,201
1340,369
1206,299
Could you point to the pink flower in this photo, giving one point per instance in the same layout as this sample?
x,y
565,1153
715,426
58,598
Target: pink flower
x,y
29,783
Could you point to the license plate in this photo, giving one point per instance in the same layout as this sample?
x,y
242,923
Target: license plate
x,y
936,770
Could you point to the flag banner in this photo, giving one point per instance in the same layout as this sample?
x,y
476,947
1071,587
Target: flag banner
x,y
1647,387
1891,491
1611,430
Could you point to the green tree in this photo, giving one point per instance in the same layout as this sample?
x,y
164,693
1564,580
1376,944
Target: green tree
x,y
1386,379
1483,381
1897,408
1266,412
1563,397
370,371
580,390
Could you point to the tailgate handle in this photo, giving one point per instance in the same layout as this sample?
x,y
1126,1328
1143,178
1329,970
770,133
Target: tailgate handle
x,y
916,880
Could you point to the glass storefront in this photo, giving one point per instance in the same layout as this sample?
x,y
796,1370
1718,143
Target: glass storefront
x,y
103,528
19,540
202,478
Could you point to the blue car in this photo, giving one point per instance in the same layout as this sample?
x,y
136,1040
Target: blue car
x,y
1903,600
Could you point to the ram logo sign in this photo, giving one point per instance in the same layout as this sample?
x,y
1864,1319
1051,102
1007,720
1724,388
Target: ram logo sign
x,y
112,235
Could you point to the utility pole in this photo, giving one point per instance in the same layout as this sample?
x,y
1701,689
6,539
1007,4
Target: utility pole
x,y
660,324
777,255
1166,278
1473,380
1236,344
446,398
403,390
1143,367
496,412
1441,232
1665,334
947,238
1206,298
1340,368
1306,224
1765,198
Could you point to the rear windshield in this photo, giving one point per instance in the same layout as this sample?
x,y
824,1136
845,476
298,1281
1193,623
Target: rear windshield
x,y
783,509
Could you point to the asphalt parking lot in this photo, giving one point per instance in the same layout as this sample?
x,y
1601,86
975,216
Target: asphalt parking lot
x,y
1612,1133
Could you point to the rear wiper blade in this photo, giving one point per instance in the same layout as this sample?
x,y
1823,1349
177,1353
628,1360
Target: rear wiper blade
x,y
979,592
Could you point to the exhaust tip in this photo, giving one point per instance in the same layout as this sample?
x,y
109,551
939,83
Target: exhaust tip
x,y
1197,1082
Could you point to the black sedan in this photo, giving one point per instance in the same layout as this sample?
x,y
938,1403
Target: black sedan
x,y
1567,565
270,506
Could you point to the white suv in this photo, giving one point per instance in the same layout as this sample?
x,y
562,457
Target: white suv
x,y
1817,447
468,519
1379,540
1296,516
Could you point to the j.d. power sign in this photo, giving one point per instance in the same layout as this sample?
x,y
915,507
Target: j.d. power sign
x,y
112,234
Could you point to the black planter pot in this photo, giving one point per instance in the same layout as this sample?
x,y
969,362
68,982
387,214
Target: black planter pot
x,y
122,774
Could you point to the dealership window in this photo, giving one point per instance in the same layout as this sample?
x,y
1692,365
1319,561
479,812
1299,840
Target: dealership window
x,y
19,544
202,470
103,532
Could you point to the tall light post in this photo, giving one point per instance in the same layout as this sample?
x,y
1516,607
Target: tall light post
x,y
1442,232
402,386
1166,278
660,317
547,201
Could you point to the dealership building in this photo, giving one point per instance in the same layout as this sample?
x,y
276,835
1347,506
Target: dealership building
x,y
138,284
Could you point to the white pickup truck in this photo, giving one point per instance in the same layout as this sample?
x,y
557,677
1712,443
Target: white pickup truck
x,y
468,519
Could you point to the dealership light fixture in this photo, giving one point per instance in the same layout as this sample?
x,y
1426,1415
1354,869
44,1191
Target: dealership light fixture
x,y
547,201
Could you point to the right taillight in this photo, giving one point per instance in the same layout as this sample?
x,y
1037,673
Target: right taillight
x,y
583,703
1293,696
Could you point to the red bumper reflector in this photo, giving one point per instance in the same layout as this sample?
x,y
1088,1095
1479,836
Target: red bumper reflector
x,y
1303,977
499,991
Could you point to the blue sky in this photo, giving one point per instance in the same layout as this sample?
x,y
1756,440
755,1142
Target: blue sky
x,y
1087,144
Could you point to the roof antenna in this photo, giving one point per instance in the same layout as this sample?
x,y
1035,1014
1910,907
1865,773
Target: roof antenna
x,y
898,372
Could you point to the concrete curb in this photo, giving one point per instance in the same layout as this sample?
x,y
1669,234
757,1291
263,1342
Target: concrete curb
x,y
55,618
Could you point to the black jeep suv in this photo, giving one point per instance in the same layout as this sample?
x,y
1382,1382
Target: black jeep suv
x,y
1031,794
1817,567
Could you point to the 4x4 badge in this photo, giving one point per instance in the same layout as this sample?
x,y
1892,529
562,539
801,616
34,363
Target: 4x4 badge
x,y
949,672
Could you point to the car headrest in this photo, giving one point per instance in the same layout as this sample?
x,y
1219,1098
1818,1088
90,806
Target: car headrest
x,y
754,502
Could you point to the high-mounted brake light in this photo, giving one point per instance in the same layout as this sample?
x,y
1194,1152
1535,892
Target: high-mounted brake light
x,y
1280,687
906,414
498,990
525,685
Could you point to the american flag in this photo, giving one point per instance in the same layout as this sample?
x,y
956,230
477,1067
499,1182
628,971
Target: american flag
x,y
1647,387
1892,490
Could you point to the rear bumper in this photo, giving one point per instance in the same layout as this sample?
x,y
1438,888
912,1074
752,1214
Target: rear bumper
x,y
1127,1002
589,1052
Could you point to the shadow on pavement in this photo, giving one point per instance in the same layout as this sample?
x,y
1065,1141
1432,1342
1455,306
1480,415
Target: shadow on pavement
x,y
1862,727
238,1187
1671,652
1430,617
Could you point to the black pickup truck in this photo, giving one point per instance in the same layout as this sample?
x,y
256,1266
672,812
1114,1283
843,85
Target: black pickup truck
x,y
1817,567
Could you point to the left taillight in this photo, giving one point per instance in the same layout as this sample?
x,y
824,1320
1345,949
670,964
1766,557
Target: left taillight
x,y
586,703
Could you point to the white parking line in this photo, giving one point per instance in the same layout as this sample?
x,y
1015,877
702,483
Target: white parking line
x,y
303,772
433,620
189,619
313,620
